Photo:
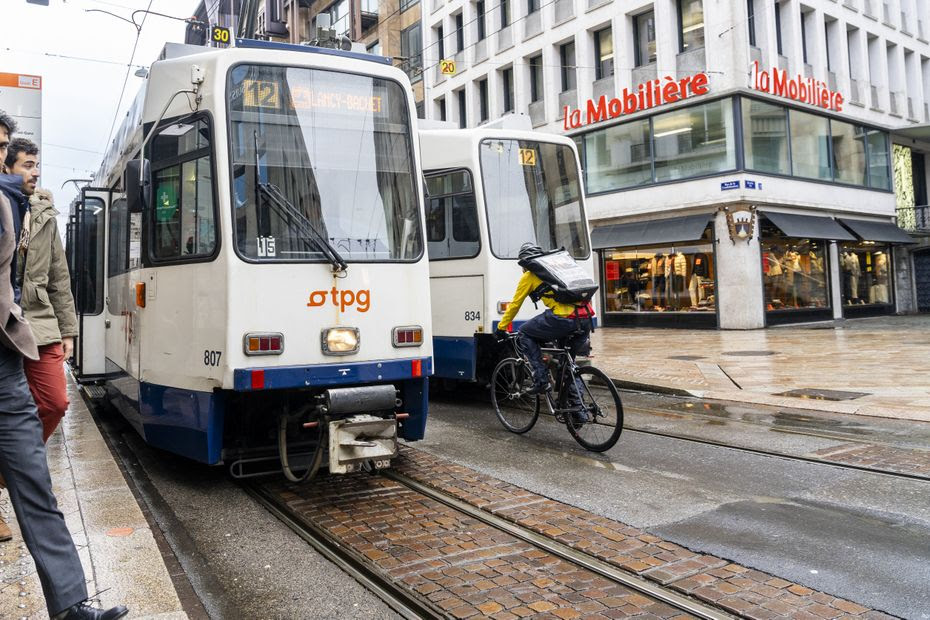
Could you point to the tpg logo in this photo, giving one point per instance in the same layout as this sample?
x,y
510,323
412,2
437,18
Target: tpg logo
x,y
342,299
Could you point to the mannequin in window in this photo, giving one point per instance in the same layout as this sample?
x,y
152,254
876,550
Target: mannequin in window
x,y
791,263
878,292
679,274
851,272
699,271
658,281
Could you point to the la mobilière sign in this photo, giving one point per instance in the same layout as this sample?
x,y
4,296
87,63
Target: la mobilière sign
x,y
659,92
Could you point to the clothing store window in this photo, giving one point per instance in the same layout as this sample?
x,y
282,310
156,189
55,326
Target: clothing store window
x,y
644,37
848,152
691,20
694,141
618,157
879,175
865,273
810,145
672,278
794,271
765,136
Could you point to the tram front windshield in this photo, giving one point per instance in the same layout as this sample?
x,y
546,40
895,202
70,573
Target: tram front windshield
x,y
337,147
532,193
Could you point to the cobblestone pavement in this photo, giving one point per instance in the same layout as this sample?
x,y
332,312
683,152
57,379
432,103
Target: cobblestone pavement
x,y
468,569
880,362
889,458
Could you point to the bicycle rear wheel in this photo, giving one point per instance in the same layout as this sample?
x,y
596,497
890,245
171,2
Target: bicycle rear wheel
x,y
517,410
600,407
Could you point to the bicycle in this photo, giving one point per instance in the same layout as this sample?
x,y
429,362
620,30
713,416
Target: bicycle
x,y
595,422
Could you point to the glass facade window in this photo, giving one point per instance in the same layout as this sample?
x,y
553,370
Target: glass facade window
x,y
505,13
865,269
532,6
567,58
751,20
810,145
879,175
459,33
463,119
794,271
644,38
765,137
411,48
483,100
618,157
662,279
848,152
479,19
603,53
536,78
691,20
694,141
440,42
507,82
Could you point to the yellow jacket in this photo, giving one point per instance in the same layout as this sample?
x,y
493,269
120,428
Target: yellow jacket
x,y
528,283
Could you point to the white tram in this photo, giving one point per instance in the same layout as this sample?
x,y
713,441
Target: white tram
x,y
488,191
250,266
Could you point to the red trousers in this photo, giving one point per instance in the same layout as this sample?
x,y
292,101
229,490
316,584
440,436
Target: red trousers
x,y
48,385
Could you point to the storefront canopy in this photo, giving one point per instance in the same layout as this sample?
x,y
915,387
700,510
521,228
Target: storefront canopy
x,y
653,232
808,226
877,231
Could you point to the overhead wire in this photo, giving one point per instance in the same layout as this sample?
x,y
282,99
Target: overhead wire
x,y
70,57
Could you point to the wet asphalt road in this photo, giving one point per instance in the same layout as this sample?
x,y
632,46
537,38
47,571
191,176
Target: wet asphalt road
x,y
852,534
857,535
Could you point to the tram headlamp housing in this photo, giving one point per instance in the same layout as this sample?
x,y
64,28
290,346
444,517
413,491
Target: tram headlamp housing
x,y
339,340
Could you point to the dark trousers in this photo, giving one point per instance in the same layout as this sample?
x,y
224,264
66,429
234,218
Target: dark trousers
x,y
25,468
547,326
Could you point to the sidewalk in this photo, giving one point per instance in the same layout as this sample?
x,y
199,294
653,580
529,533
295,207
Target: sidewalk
x,y
875,367
113,538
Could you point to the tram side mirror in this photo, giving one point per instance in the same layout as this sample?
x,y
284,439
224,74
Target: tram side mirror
x,y
138,184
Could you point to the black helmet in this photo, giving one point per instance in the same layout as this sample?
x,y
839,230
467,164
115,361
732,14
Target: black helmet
x,y
529,250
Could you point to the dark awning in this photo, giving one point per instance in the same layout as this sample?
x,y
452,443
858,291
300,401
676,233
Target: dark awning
x,y
808,226
877,231
637,234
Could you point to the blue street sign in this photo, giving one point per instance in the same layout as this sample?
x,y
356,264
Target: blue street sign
x,y
750,184
729,185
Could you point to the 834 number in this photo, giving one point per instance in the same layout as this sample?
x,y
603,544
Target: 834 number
x,y
472,315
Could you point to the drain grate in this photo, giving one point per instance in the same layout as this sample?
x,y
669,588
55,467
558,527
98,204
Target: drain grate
x,y
687,358
817,394
750,353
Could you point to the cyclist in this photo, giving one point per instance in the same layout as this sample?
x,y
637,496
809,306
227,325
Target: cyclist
x,y
558,321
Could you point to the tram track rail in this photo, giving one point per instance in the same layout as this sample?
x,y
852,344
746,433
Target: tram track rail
x,y
411,605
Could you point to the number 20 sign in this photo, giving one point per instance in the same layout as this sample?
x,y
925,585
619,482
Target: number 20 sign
x,y
447,67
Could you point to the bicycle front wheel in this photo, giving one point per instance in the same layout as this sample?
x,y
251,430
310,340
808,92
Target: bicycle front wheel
x,y
517,410
597,420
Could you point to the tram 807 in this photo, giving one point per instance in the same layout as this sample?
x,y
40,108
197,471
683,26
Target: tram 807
x,y
250,266
489,191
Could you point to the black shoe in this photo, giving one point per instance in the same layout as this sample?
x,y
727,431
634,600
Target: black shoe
x,y
83,611
540,388
579,414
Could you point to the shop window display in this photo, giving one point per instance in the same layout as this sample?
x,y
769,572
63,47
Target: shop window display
x,y
794,271
865,269
666,279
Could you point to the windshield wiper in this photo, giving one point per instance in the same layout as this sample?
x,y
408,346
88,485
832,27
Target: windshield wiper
x,y
277,199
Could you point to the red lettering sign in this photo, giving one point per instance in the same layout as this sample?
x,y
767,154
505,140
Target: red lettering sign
x,y
799,88
644,97
612,270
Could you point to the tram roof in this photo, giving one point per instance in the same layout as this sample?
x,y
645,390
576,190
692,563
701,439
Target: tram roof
x,y
310,49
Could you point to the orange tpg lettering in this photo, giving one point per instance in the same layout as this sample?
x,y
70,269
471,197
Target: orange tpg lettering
x,y
341,299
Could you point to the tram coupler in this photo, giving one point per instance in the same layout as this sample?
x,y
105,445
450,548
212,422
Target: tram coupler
x,y
360,438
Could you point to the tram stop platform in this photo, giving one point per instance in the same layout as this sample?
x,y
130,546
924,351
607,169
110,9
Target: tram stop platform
x,y
872,367
122,561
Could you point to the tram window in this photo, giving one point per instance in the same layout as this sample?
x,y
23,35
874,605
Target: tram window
x,y
184,222
118,253
88,285
451,207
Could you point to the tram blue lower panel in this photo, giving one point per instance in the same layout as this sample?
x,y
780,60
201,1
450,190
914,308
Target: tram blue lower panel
x,y
455,357
185,422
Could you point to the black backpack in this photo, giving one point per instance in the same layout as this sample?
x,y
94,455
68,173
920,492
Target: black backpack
x,y
563,278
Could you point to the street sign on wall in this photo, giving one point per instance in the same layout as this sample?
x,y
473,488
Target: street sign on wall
x,y
21,98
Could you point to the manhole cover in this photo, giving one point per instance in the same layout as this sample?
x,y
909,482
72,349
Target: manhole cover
x,y
816,394
687,358
750,353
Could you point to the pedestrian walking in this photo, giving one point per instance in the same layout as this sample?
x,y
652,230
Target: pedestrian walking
x,y
22,452
46,284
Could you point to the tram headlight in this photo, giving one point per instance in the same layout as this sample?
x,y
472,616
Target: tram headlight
x,y
339,340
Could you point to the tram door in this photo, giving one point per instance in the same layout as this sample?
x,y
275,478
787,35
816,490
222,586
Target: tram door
x,y
87,251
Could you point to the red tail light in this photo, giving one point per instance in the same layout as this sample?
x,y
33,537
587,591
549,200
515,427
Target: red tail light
x,y
416,368
263,344
411,336
258,379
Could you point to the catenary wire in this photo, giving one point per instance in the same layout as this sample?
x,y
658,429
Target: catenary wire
x,y
69,57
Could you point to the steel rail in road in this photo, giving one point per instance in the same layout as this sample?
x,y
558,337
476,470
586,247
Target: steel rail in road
x,y
579,558
404,602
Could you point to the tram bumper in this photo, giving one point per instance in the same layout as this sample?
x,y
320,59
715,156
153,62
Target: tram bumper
x,y
360,438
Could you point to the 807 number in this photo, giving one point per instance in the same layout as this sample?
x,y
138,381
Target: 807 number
x,y
212,358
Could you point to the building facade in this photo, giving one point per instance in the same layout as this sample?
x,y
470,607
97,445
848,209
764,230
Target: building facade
x,y
737,154
385,27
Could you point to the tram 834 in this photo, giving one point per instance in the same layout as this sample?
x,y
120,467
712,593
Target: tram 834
x,y
489,191
250,265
